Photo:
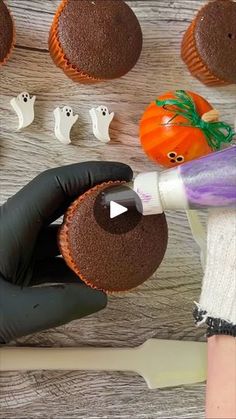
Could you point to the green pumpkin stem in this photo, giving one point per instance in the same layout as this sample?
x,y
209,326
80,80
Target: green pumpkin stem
x,y
216,133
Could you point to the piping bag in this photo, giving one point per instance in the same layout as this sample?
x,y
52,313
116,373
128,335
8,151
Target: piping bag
x,y
209,181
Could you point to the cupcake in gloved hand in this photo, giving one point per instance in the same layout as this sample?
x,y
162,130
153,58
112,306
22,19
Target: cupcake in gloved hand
x,y
111,254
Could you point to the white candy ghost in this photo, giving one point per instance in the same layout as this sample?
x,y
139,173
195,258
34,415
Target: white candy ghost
x,y
101,120
64,120
23,105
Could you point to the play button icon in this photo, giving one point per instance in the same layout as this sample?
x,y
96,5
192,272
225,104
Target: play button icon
x,y
116,209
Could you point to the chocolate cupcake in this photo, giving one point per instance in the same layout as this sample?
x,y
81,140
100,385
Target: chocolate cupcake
x,y
6,33
107,261
209,45
95,40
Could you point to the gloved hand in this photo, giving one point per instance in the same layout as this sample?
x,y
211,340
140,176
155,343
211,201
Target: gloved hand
x,y
217,305
28,251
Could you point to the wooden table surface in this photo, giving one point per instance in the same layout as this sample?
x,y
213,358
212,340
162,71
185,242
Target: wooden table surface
x,y
161,307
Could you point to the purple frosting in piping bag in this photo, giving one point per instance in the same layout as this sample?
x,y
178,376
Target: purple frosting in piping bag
x,y
211,180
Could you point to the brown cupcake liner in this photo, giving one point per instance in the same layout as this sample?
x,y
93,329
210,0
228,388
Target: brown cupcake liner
x,y
4,61
194,62
63,236
58,55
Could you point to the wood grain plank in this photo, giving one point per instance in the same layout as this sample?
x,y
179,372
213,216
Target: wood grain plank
x,y
65,399
162,306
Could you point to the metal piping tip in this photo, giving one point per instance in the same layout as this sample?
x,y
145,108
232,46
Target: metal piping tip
x,y
123,195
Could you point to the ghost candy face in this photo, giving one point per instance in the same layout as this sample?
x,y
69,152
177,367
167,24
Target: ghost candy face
x,y
101,119
23,105
23,97
103,110
64,120
68,111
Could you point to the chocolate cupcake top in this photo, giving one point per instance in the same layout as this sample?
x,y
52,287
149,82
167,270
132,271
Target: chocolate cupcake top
x,y
6,31
101,38
107,261
215,36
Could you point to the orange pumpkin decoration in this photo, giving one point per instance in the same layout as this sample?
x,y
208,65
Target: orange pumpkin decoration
x,y
172,131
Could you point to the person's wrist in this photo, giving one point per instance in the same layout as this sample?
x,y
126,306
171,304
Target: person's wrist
x,y
221,377
215,325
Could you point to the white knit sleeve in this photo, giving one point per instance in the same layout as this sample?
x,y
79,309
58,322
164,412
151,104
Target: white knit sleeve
x,y
217,305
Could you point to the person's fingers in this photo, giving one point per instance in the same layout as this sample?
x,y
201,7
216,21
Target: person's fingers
x,y
28,310
47,243
39,203
53,270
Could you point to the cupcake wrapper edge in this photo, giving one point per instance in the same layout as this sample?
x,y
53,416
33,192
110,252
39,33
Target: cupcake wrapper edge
x,y
193,60
58,55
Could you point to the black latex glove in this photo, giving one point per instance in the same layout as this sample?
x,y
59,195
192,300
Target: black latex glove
x,y
28,250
